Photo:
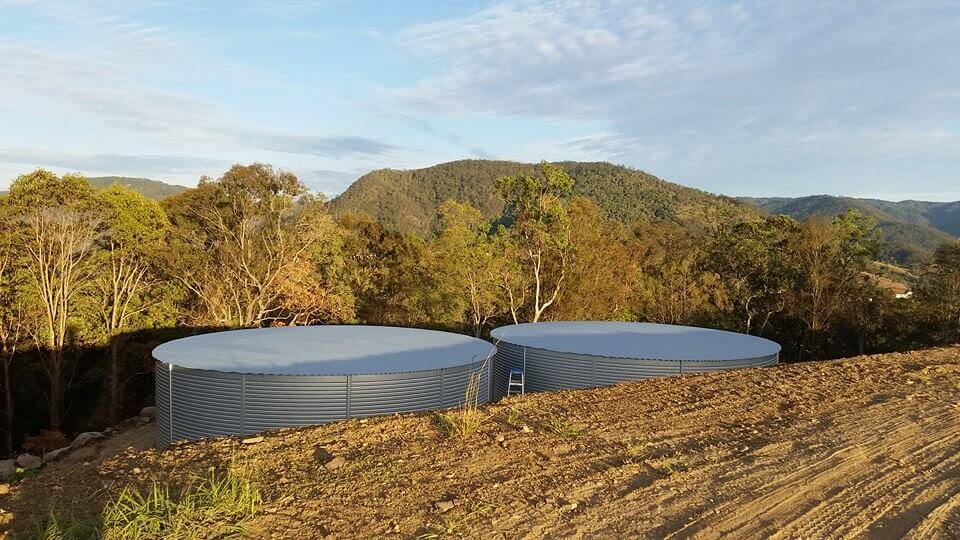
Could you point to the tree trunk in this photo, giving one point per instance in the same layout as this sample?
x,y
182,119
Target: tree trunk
x,y
113,406
8,407
56,388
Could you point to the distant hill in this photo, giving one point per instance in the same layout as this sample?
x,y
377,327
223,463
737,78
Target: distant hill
x,y
152,189
407,200
911,229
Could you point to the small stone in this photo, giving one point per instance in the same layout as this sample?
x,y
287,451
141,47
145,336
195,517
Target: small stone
x,y
252,440
7,467
364,420
56,454
526,429
86,438
29,461
444,506
143,419
137,470
501,438
4,489
149,412
335,463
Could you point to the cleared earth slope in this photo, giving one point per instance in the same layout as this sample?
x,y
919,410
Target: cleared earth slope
x,y
862,447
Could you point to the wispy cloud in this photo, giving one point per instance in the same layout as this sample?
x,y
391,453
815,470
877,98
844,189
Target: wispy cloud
x,y
704,83
107,85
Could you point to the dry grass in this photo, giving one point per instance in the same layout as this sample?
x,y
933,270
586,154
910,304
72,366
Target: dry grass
x,y
466,420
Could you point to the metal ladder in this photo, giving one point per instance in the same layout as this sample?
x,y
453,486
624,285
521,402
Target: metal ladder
x,y
515,382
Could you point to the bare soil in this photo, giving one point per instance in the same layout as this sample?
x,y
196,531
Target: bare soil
x,y
861,447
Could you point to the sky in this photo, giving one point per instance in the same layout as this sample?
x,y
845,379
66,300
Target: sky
x,y
765,98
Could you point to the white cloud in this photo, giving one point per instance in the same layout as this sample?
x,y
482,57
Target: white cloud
x,y
708,88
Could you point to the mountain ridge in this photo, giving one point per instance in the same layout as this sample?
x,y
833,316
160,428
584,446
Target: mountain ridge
x,y
910,229
407,200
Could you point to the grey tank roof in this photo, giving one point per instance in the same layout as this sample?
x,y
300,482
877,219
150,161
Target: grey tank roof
x,y
636,340
324,350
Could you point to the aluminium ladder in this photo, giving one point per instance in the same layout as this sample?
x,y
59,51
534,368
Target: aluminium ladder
x,y
515,382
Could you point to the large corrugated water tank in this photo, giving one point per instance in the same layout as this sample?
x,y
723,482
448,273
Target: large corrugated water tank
x,y
245,381
587,354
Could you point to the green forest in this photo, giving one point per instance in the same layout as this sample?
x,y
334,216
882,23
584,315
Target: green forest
x,y
92,278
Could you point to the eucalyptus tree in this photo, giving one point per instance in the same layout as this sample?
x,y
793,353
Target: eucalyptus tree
x,y
940,290
56,222
13,330
468,265
255,248
127,283
538,236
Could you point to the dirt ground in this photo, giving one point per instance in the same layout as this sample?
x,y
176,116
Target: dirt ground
x,y
863,447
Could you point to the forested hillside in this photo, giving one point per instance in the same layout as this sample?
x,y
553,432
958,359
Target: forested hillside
x,y
407,200
151,189
910,230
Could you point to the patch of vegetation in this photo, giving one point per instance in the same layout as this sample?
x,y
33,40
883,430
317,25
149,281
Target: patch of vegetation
x,y
564,429
217,503
460,423
445,527
217,506
513,416
67,528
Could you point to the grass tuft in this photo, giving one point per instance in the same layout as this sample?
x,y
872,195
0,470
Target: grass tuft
x,y
466,420
513,416
563,429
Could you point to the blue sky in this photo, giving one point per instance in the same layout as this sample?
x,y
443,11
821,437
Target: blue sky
x,y
744,98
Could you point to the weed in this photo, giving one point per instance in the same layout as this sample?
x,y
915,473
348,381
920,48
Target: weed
x,y
563,429
638,450
20,473
221,504
466,420
66,528
513,416
443,528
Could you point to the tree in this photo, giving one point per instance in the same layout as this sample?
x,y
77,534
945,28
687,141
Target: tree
x,y
940,290
255,248
384,271
13,331
601,269
831,257
750,258
540,233
468,265
127,282
58,221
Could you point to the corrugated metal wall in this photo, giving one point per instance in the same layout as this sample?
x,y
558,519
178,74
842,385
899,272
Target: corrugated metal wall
x,y
193,403
550,370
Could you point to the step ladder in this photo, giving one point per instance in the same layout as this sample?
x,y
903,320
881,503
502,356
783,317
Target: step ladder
x,y
515,382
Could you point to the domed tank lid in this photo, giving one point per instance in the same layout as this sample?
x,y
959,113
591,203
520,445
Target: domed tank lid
x,y
324,350
637,340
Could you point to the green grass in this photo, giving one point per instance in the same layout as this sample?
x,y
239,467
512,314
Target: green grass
x,y
513,416
67,528
215,506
